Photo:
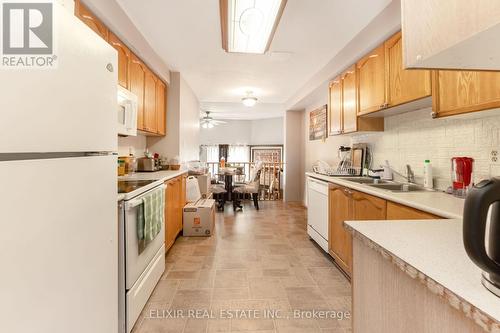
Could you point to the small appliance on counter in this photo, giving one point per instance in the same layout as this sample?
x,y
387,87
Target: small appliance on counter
x,y
146,164
482,239
461,175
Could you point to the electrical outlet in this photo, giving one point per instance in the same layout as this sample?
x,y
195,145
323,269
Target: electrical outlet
x,y
494,156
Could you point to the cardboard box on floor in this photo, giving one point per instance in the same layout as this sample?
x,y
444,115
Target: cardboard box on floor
x,y
199,218
198,215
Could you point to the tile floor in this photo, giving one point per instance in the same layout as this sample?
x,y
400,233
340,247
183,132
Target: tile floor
x,y
258,273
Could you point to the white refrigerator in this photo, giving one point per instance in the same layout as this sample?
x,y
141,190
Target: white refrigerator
x,y
58,188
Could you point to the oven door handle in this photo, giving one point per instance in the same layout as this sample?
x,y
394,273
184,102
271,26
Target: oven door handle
x,y
136,202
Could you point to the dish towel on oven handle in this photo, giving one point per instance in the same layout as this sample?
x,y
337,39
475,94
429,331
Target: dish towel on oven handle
x,y
150,215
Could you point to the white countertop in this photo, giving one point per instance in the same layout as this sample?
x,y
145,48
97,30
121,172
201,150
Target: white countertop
x,y
435,249
160,176
437,203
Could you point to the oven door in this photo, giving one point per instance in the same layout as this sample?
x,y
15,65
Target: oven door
x,y
138,255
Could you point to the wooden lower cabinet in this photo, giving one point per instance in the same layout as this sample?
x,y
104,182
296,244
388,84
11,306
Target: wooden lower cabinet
x,y
175,195
347,204
339,240
399,212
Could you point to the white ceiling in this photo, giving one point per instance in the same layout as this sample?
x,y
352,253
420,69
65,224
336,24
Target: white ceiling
x,y
236,110
186,34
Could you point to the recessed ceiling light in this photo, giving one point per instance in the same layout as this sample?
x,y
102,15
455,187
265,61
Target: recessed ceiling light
x,y
249,26
249,100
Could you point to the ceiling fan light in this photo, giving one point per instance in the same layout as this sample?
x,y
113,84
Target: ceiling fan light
x,y
204,125
249,101
210,125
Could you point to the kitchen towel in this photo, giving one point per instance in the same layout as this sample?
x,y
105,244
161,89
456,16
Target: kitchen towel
x,y
150,215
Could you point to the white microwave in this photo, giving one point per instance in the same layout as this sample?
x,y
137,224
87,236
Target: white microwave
x,y
127,112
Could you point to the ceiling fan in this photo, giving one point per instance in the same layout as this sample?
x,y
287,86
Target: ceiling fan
x,y
208,122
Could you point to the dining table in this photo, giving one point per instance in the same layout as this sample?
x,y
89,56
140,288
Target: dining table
x,y
228,175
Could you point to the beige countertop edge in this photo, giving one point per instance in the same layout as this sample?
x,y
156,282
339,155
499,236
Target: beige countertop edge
x,y
481,318
434,202
157,175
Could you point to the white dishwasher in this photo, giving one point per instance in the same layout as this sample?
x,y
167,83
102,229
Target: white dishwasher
x,y
317,211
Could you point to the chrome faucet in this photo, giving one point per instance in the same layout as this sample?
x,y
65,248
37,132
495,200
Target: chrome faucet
x,y
410,176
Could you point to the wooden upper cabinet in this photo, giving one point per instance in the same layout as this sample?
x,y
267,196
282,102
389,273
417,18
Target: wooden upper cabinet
x,y
399,212
403,85
458,34
349,100
371,81
87,17
161,107
339,239
137,77
456,92
150,123
335,106
123,59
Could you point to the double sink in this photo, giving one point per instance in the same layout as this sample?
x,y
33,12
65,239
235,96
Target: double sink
x,y
386,185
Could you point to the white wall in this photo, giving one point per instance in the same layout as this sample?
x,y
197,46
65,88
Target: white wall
x,y
131,144
233,132
189,130
183,131
294,156
249,132
267,131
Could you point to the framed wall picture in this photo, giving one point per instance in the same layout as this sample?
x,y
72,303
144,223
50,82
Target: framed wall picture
x,y
318,124
266,154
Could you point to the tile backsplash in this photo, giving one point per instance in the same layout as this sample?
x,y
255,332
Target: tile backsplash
x,y
413,137
132,144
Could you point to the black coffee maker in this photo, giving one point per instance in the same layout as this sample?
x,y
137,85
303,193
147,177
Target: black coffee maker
x,y
482,199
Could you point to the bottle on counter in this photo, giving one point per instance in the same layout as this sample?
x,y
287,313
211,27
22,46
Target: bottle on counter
x,y
222,162
428,182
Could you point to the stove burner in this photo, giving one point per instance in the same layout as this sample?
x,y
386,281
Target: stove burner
x,y
127,186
